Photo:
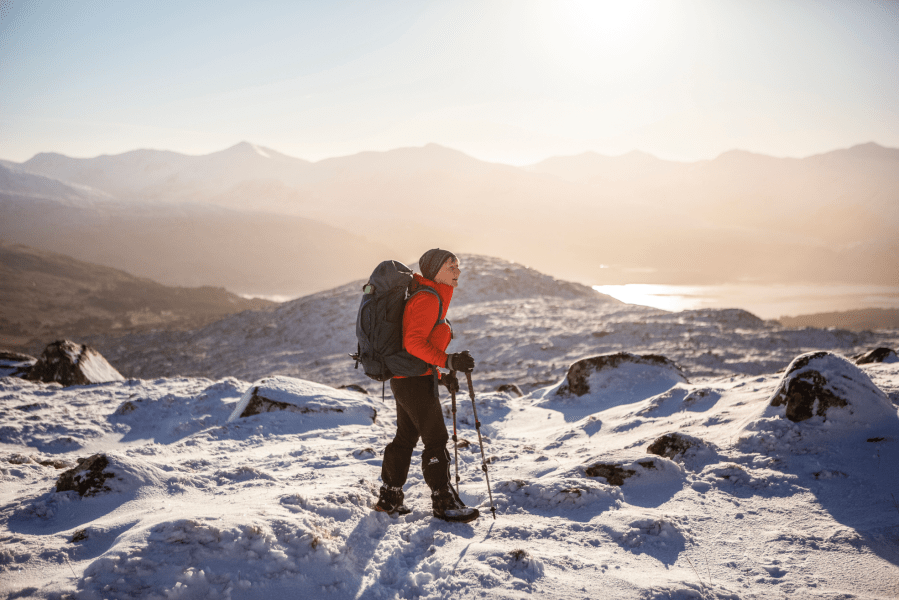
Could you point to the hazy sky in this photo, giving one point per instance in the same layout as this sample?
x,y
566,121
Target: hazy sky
x,y
511,81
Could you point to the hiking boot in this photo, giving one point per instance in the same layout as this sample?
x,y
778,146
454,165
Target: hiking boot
x,y
449,507
390,501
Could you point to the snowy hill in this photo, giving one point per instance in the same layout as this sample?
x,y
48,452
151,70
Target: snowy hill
x,y
522,326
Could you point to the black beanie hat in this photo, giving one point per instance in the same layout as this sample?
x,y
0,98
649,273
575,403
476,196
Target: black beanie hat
x,y
431,261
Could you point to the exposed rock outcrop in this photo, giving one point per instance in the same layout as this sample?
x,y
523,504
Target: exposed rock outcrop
x,y
614,474
304,397
877,355
818,382
88,478
671,445
13,364
578,381
69,363
510,388
685,449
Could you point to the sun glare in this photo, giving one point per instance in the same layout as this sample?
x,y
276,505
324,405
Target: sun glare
x,y
585,33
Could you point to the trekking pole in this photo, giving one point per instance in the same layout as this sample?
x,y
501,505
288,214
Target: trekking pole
x,y
455,437
477,425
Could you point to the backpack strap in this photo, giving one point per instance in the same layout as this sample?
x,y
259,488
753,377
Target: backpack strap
x,y
434,369
439,300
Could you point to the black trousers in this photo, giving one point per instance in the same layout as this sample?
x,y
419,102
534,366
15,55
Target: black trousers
x,y
418,415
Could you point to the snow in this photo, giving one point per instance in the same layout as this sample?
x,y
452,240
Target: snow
x,y
204,503
96,368
331,407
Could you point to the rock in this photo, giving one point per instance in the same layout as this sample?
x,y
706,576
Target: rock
x,y
816,383
878,355
79,536
510,388
304,397
69,363
686,449
13,364
88,478
577,382
110,472
614,474
672,444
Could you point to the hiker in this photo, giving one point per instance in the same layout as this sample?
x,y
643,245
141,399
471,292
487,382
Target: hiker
x,y
426,335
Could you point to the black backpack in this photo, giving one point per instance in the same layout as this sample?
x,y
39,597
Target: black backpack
x,y
379,323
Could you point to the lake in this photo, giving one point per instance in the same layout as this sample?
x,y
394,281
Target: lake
x,y
766,301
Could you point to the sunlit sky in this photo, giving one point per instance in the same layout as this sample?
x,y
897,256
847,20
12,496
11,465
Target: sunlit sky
x,y
508,81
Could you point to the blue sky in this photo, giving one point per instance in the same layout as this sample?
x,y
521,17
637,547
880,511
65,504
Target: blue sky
x,y
510,81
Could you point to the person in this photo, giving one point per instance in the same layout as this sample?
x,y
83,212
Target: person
x,y
426,335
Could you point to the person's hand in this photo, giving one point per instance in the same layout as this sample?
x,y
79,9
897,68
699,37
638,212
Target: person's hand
x,y
460,361
450,381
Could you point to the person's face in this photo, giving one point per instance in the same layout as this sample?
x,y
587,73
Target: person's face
x,y
449,273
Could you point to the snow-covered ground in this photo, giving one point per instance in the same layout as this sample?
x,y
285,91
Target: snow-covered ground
x,y
279,504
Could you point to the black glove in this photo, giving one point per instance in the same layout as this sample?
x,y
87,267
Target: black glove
x,y
460,361
450,381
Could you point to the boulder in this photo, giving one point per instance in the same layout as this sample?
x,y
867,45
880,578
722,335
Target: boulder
x,y
654,369
817,383
685,449
510,388
88,478
69,363
673,444
614,474
877,355
13,364
281,393
109,473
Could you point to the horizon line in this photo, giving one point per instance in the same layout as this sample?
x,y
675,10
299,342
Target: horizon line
x,y
259,147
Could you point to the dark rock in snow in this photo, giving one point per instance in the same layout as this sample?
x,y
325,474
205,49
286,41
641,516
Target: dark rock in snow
x,y
259,404
817,382
878,355
673,444
13,364
614,474
510,388
79,536
69,363
280,393
578,379
88,478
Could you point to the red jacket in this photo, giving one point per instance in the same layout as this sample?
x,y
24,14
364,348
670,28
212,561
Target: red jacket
x,y
422,337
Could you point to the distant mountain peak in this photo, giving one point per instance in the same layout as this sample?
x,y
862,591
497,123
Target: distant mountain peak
x,y
872,150
248,148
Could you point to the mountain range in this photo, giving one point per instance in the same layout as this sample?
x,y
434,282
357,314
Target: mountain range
x,y
256,221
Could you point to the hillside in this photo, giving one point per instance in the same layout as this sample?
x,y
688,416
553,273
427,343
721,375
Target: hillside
x,y
247,250
522,326
46,296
